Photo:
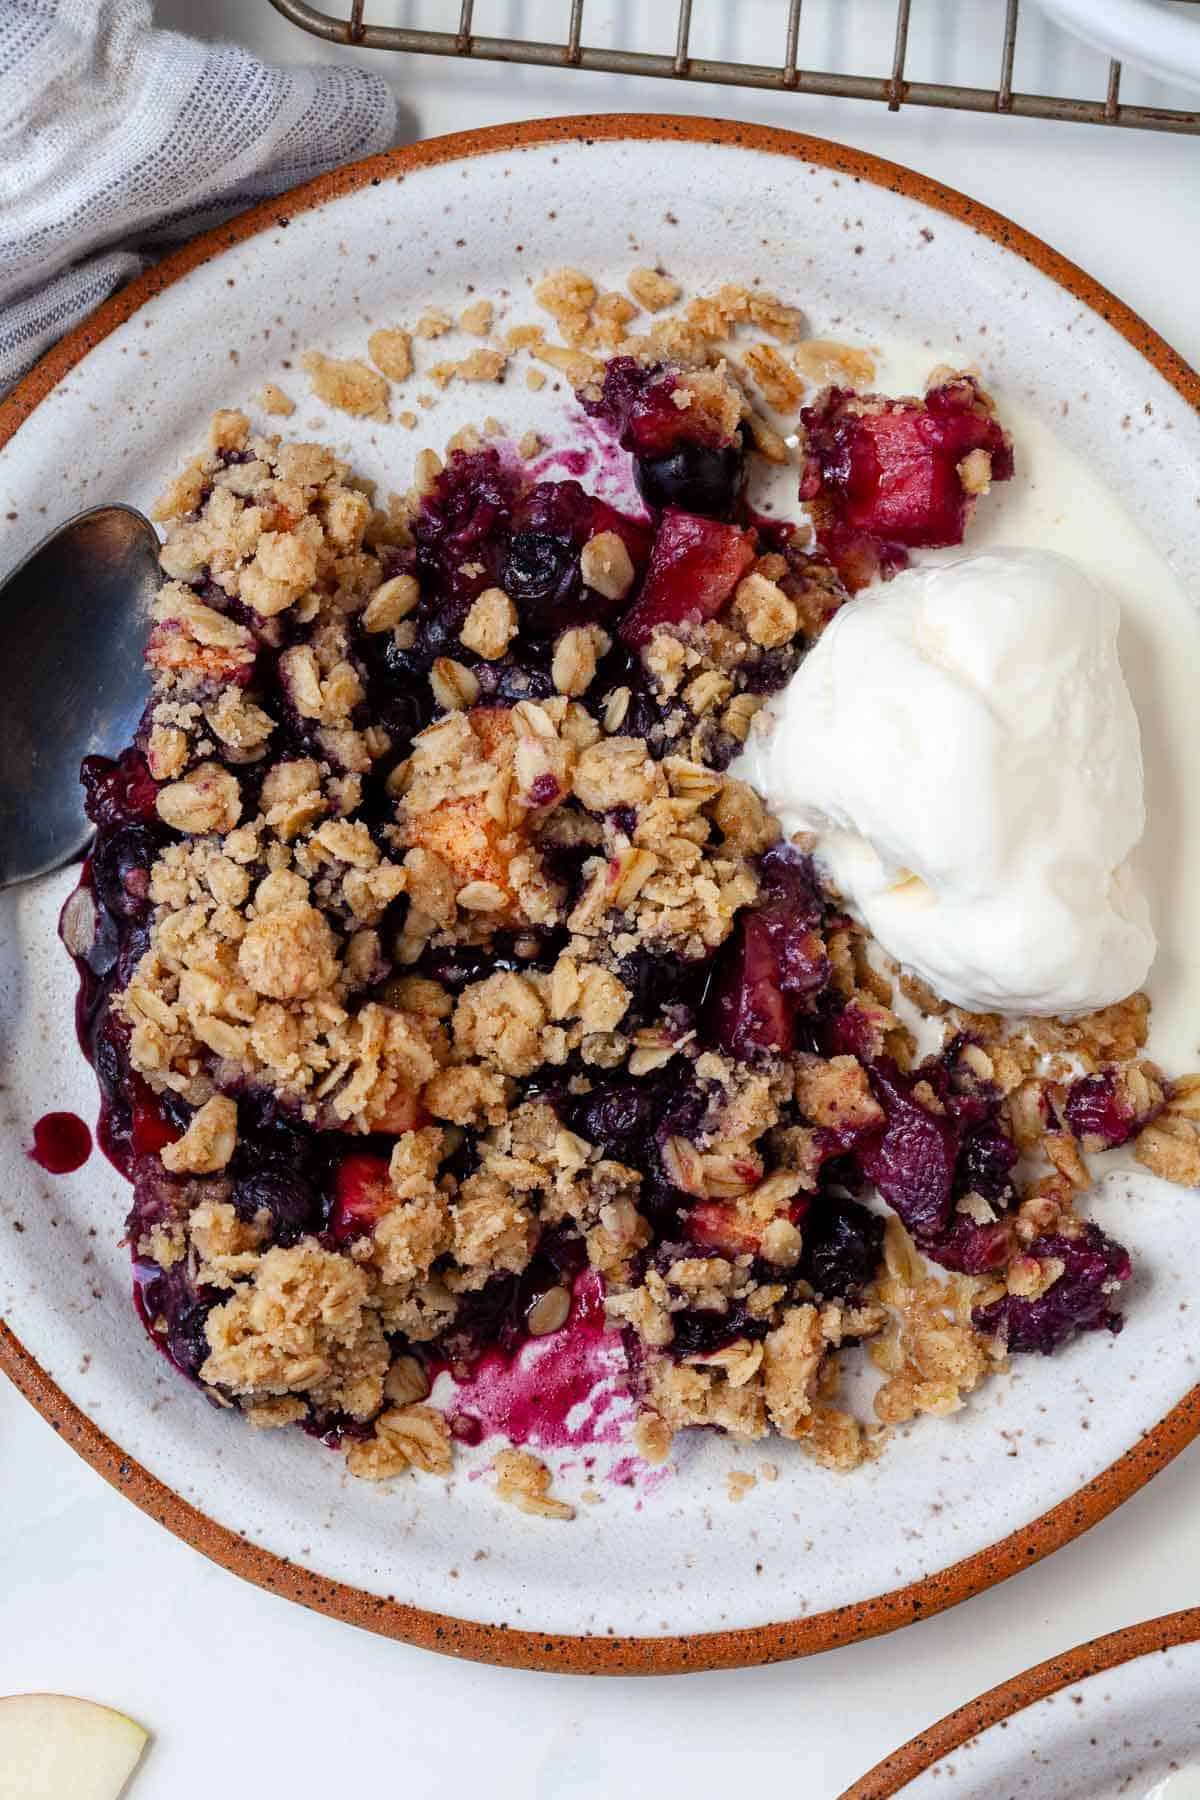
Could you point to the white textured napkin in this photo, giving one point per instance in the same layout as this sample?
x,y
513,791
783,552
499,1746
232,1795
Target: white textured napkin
x,y
116,140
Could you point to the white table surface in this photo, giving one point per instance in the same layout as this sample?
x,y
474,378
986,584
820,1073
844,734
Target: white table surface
x,y
247,1695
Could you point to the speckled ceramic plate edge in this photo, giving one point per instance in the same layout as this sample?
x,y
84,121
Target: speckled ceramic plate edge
x,y
956,1730
496,1643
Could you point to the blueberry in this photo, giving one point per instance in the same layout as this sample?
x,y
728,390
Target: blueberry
x,y
695,477
1093,1267
700,1331
541,575
121,792
134,942
186,1340
109,1053
463,523
1098,1107
395,559
438,624
842,1246
488,1317
985,1163
619,1116
642,716
769,670
404,714
121,864
561,508
287,1196
511,681
459,964
661,1205
789,883
185,1312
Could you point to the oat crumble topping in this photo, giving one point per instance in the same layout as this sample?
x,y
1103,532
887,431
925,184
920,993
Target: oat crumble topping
x,y
447,967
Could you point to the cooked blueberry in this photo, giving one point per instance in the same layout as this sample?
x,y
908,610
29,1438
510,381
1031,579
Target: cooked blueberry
x,y
843,1243
515,679
1104,1110
109,1046
405,713
186,1339
288,1198
660,981
454,965
698,1331
1094,1267
620,1116
540,575
489,1318
121,792
135,941
463,524
437,623
699,478
986,1162
561,508
766,671
642,716
395,559
185,1309
566,1255
121,864
789,884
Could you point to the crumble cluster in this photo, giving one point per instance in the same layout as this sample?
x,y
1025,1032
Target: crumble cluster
x,y
436,887
591,326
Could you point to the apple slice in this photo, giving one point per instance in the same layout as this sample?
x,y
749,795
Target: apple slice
x,y
363,1194
695,565
53,1747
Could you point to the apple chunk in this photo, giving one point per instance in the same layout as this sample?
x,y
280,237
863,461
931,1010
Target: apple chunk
x,y
53,1747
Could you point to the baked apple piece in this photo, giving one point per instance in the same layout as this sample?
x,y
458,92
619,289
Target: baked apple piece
x,y
883,476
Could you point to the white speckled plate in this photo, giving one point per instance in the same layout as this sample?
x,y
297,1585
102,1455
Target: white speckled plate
x,y
655,1578
1110,1720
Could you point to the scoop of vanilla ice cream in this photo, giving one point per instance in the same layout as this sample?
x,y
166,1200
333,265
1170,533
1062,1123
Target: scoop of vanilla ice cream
x,y
963,744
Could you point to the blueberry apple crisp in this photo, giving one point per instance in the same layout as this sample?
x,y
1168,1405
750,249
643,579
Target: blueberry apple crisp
x,y
439,978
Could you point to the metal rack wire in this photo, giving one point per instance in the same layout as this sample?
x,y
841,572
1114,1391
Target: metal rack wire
x,y
894,89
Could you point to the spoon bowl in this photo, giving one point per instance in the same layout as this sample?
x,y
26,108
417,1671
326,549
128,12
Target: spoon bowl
x,y
72,627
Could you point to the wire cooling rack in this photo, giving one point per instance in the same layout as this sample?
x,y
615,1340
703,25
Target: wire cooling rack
x,y
350,25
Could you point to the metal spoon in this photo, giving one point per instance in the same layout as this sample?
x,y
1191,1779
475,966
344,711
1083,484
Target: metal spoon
x,y
72,629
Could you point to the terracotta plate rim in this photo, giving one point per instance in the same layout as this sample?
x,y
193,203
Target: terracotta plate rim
x,y
387,1615
955,1731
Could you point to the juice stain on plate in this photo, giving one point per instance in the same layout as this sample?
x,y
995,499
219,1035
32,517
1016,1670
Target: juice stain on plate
x,y
61,1143
594,455
571,1388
